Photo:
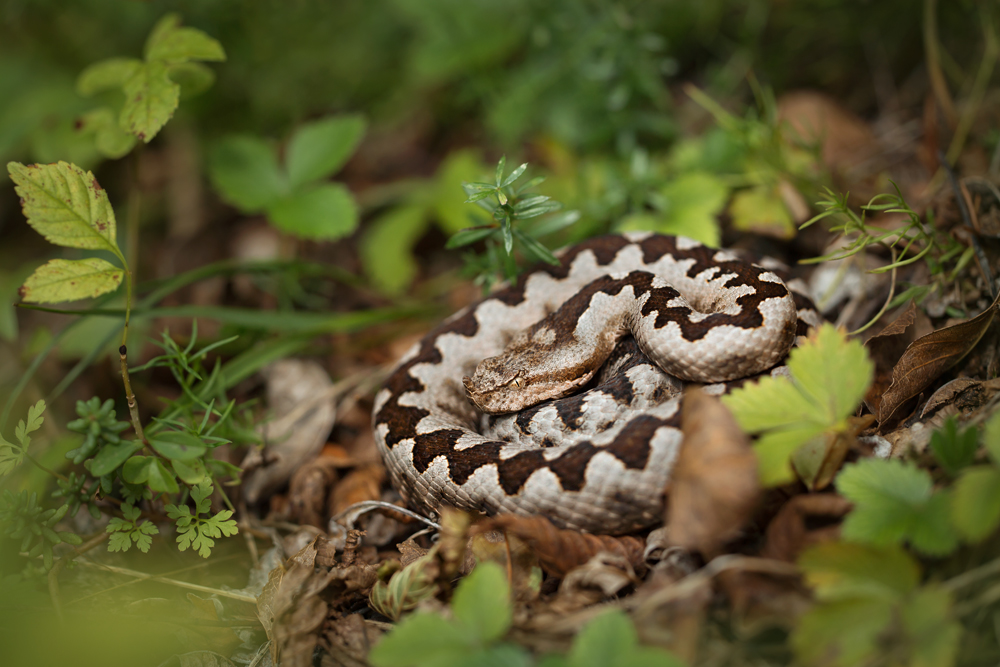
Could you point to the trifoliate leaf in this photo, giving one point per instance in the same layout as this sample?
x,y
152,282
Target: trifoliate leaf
x,y
151,98
953,448
481,604
66,205
168,41
975,506
126,532
894,501
325,212
421,639
320,149
245,171
387,247
829,377
842,570
71,280
106,74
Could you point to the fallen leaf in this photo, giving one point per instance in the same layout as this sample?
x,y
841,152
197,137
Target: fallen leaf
x,y
559,551
928,357
361,484
885,348
601,577
347,641
300,394
308,490
714,488
960,396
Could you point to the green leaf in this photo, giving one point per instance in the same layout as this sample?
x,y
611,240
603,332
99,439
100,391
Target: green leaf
x,y
112,456
603,640
842,633
150,471
193,78
320,149
150,100
893,502
842,570
66,205
481,604
975,507
953,449
192,472
106,74
109,137
421,639
11,456
70,280
514,175
469,236
991,438
202,496
387,247
762,211
686,206
178,445
829,376
168,41
447,200
32,424
933,635
245,171
325,212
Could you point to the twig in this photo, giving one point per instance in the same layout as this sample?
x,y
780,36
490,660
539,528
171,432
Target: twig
x,y
956,188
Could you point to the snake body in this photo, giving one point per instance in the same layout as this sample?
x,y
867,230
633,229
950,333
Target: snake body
x,y
500,409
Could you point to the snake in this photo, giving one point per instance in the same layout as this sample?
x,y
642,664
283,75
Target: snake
x,y
560,395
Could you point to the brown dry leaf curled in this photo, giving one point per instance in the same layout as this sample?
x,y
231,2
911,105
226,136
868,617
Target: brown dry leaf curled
x,y
714,487
929,356
788,534
559,551
885,349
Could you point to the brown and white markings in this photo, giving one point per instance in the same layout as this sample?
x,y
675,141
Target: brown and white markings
x,y
596,461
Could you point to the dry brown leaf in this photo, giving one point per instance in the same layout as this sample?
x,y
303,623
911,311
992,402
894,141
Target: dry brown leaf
x,y
845,138
885,349
714,488
347,641
788,533
300,394
308,490
928,357
960,396
361,484
603,576
559,551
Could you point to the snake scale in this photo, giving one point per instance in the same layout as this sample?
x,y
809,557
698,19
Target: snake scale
x,y
559,395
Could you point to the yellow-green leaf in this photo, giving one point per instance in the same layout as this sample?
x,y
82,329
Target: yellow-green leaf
x,y
761,210
688,206
70,280
387,247
109,137
975,507
66,205
168,41
150,100
844,570
834,373
105,74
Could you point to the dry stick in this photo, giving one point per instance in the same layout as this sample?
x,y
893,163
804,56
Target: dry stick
x,y
133,407
174,582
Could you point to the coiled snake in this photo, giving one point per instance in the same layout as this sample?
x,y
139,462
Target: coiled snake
x,y
481,414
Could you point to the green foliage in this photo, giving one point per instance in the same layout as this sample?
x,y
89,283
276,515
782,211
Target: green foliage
x,y
405,589
975,508
481,611
100,429
687,206
24,519
11,455
69,208
871,609
296,196
952,448
610,640
152,87
78,490
507,206
126,532
197,532
829,376
894,501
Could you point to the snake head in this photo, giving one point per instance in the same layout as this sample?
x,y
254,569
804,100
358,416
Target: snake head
x,y
499,386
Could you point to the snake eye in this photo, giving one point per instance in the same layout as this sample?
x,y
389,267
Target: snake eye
x,y
517,383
